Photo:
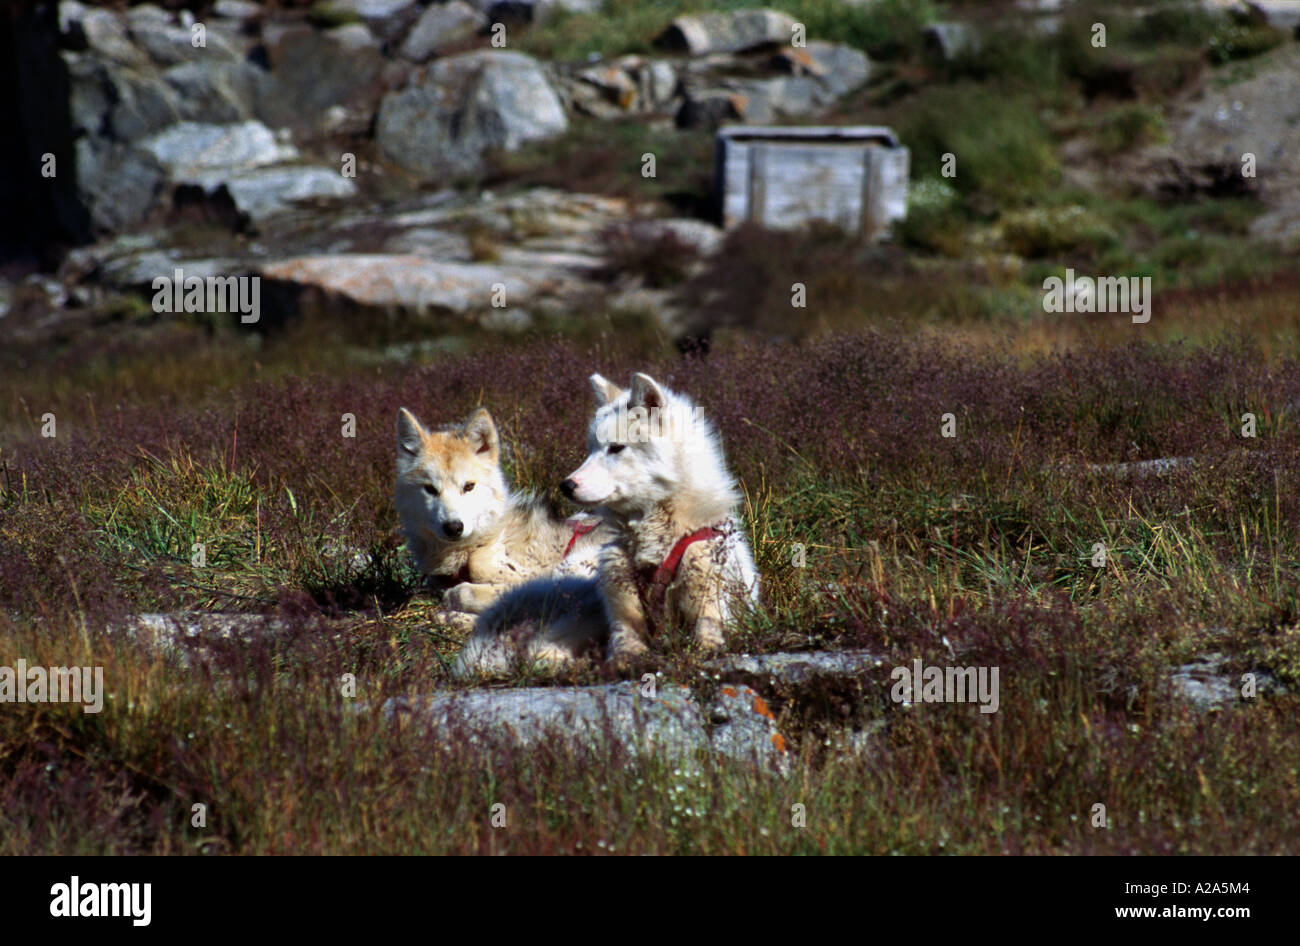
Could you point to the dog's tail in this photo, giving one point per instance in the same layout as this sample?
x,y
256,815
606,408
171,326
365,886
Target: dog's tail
x,y
547,621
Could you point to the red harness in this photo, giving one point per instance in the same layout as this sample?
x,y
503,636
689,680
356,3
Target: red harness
x,y
580,529
446,582
655,584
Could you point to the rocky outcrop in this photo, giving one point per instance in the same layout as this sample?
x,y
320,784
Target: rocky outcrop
x,y
1239,136
440,127
808,80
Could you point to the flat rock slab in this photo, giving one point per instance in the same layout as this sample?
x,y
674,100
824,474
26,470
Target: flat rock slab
x,y
411,282
167,630
799,668
672,723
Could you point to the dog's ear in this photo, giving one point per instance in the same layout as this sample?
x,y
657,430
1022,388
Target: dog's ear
x,y
481,432
604,389
647,393
410,434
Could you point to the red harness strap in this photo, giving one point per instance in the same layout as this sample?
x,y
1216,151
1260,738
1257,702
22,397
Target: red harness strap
x,y
667,570
580,529
446,582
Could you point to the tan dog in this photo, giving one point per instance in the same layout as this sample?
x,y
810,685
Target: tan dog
x,y
464,527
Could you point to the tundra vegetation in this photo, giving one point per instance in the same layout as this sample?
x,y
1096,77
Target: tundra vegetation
x,y
871,528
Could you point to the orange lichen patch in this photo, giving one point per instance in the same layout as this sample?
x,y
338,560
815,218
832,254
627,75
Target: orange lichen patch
x,y
803,58
778,741
728,691
740,103
760,707
626,98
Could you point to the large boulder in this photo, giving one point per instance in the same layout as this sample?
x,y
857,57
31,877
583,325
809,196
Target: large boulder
x,y
441,127
315,72
737,31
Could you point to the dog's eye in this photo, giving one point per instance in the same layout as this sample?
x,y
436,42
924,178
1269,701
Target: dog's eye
x,y
616,447
431,490
468,487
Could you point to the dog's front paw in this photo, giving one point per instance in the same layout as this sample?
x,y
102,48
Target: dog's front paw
x,y
626,649
708,635
448,619
466,597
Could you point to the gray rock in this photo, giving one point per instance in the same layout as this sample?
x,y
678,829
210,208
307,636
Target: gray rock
x,y
439,27
467,104
88,95
261,193
142,105
216,92
168,45
169,629
671,724
838,67
106,36
1160,467
797,668
146,13
819,75
660,82
188,149
387,19
736,31
116,183
71,13
313,71
239,10
1206,684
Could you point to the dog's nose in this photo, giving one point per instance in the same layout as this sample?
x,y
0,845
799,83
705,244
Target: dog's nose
x,y
455,528
568,487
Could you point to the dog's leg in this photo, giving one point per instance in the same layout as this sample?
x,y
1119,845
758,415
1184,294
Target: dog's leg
x,y
471,598
627,622
702,597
